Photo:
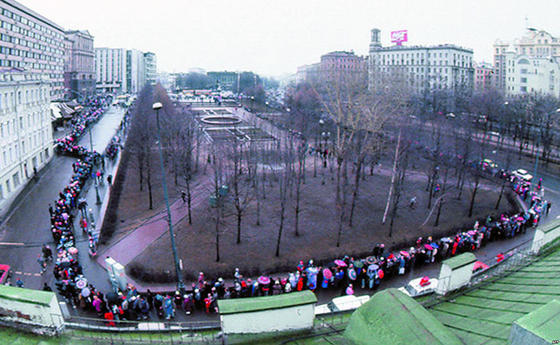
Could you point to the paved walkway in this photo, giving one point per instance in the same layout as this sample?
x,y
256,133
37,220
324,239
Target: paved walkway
x,y
131,245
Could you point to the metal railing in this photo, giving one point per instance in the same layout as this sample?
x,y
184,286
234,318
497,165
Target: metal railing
x,y
101,331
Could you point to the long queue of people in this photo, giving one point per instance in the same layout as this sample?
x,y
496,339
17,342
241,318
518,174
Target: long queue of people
x,y
70,280
344,274
67,269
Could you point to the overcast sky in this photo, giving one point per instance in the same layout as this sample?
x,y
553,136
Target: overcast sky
x,y
274,37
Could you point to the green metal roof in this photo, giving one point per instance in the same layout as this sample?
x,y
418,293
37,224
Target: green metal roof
x,y
543,322
485,315
548,227
391,317
460,260
246,305
26,295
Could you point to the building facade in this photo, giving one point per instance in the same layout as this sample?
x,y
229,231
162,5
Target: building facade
x,y
135,71
150,63
483,76
32,42
341,64
25,129
528,74
79,66
422,68
110,70
307,73
534,43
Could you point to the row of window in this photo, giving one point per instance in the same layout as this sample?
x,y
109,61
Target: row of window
x,y
11,153
29,33
32,24
14,180
29,44
28,65
10,100
28,54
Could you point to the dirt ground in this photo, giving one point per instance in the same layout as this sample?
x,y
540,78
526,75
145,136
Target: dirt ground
x,y
318,226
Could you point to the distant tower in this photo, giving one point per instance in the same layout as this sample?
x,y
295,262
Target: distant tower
x,y
375,39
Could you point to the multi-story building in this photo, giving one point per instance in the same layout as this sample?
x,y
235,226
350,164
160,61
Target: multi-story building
x,y
528,64
224,80
535,43
527,74
307,73
79,65
111,70
342,64
483,76
32,42
150,64
25,129
135,70
422,68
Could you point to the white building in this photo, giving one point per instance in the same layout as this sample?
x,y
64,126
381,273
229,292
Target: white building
x,y
110,70
135,70
535,43
527,74
423,68
150,63
25,130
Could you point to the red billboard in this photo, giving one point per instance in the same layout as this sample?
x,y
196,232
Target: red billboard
x,y
399,37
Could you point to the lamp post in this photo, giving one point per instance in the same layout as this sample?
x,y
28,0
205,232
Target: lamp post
x,y
180,285
97,198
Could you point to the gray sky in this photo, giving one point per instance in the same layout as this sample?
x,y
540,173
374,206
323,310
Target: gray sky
x,y
274,37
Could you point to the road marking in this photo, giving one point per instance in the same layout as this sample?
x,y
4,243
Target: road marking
x,y
17,272
12,244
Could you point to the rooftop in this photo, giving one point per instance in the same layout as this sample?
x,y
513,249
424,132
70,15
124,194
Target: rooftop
x,y
26,295
245,305
391,317
485,315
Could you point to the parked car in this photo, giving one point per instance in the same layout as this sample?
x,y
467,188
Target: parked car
x,y
522,174
420,287
340,304
5,273
489,166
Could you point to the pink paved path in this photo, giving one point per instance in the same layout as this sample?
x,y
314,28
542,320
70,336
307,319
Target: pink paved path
x,y
131,245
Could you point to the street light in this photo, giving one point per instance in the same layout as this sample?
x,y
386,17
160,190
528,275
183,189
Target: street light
x,y
180,285
96,184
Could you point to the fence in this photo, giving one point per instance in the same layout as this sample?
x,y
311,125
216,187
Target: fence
x,y
100,331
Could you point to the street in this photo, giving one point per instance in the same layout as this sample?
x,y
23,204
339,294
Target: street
x,y
27,228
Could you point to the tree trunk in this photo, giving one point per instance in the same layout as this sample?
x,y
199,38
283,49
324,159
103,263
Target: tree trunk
x,y
355,191
189,199
473,197
298,197
281,228
501,193
149,183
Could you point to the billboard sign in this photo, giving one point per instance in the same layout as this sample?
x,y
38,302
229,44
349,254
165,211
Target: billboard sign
x,y
399,37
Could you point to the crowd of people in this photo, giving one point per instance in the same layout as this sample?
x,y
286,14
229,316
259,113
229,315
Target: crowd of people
x,y
68,145
344,274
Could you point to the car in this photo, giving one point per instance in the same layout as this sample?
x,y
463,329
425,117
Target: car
x,y
489,166
340,304
522,174
5,273
419,287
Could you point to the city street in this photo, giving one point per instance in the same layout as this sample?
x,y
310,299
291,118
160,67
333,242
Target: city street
x,y
27,228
